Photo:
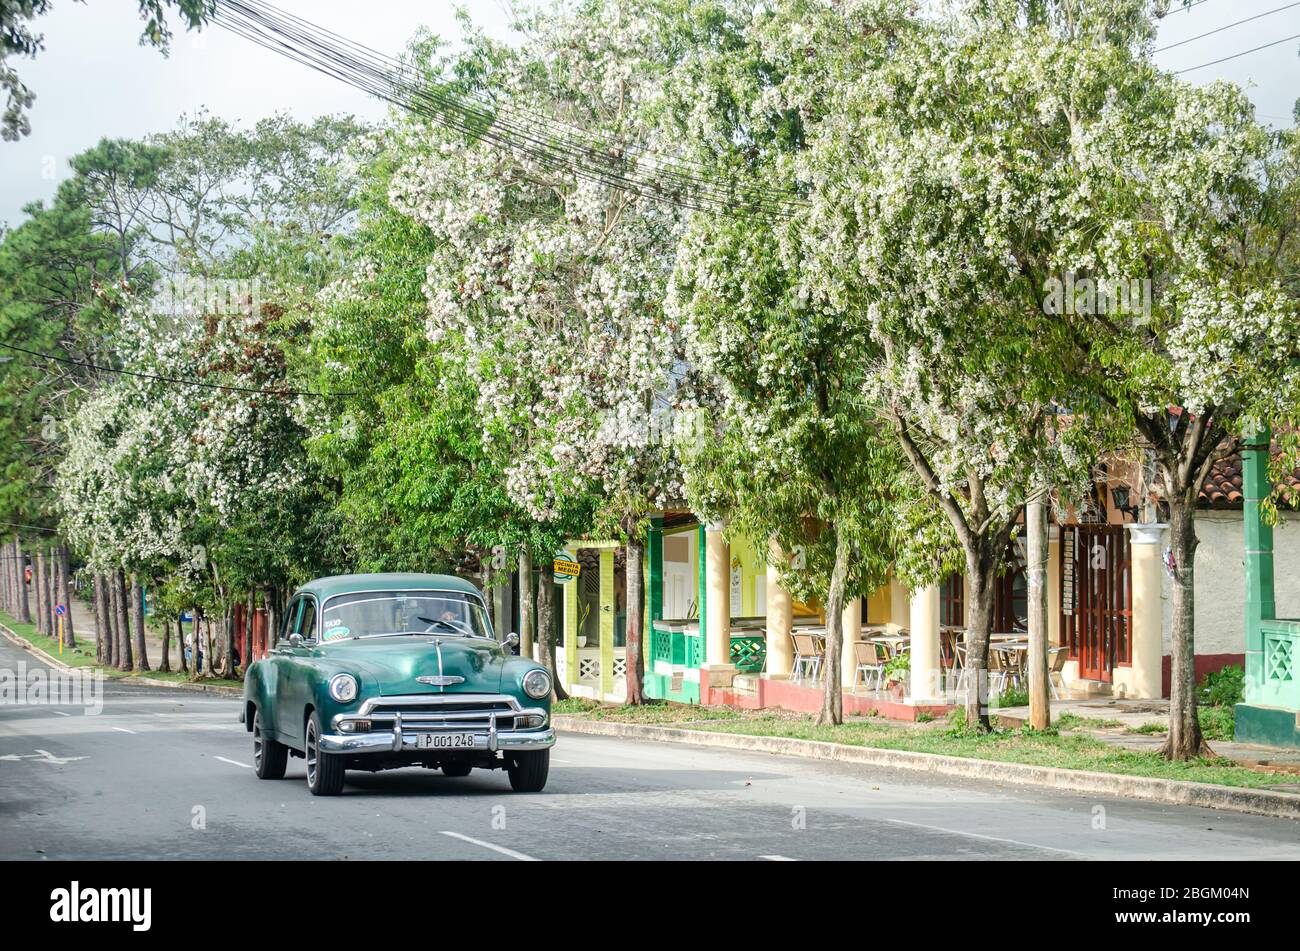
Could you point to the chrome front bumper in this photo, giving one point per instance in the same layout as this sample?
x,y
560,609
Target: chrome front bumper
x,y
355,744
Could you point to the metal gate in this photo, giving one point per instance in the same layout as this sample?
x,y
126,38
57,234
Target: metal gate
x,y
1096,611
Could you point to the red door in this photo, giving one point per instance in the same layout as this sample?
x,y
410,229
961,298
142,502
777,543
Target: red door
x,y
1095,598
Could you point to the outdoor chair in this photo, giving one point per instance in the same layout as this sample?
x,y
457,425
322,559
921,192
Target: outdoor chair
x,y
808,654
869,660
1057,656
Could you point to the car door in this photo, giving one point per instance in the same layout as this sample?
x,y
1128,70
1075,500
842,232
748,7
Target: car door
x,y
289,670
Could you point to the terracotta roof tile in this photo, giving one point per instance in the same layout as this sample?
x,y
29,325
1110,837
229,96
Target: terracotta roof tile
x,y
1222,487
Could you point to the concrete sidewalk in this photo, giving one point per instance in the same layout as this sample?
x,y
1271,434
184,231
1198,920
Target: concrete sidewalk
x,y
1123,717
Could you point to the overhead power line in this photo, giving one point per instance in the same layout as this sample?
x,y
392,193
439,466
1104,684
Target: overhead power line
x,y
1195,3
181,381
545,139
1201,36
1224,59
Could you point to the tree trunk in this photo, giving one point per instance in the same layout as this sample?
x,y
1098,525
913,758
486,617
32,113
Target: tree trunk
x,y
121,620
103,621
38,600
526,603
66,594
47,583
165,661
196,642
1040,711
635,639
59,588
981,575
546,624
832,710
227,670
24,605
272,616
209,648
180,642
1185,740
137,623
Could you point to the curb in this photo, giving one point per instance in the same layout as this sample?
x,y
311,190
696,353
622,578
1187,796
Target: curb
x,y
53,661
1170,791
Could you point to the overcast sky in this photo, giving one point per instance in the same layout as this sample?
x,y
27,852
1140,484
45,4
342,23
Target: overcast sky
x,y
93,80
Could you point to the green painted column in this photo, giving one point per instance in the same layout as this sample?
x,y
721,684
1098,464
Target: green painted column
x,y
1260,600
702,596
606,621
654,557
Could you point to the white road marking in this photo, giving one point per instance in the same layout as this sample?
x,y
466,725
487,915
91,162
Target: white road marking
x,y
122,729
232,762
778,858
489,845
987,838
45,756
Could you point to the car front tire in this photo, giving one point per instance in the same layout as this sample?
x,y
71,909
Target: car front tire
x,y
324,770
528,770
269,757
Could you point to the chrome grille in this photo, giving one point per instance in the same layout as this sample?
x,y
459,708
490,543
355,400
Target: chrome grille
x,y
461,716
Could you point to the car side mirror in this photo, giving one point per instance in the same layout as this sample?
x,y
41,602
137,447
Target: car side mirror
x,y
295,640
512,640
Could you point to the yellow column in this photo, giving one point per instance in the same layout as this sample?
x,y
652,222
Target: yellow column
x,y
899,604
780,618
851,618
1053,587
606,621
925,644
1148,613
571,632
717,582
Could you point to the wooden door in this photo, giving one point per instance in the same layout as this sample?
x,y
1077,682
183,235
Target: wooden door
x,y
1095,598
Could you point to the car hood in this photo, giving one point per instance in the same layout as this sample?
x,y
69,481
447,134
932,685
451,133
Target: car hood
x,y
391,665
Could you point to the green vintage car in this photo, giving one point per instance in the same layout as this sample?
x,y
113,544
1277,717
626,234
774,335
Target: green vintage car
x,y
380,671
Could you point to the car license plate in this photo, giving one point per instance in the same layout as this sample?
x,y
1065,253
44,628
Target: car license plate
x,y
444,741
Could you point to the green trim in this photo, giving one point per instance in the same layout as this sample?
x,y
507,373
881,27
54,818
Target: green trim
x,y
1269,726
702,597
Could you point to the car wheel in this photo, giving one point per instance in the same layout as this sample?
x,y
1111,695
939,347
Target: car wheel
x,y
528,770
456,769
324,770
269,757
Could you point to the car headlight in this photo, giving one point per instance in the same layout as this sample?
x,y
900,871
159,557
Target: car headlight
x,y
537,684
343,688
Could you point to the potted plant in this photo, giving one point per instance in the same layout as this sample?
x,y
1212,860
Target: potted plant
x,y
897,670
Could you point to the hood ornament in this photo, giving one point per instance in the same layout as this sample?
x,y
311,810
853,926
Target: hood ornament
x,y
440,680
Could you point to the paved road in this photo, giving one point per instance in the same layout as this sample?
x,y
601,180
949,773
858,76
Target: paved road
x,y
130,782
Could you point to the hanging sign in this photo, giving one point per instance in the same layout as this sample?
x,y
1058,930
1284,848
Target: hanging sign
x,y
566,566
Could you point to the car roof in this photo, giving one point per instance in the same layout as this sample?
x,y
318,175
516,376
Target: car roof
x,y
325,588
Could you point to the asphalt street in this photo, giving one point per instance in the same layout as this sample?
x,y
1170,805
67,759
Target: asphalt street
x,y
162,773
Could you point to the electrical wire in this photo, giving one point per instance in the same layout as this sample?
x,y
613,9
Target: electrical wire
x,y
1201,36
1224,59
545,139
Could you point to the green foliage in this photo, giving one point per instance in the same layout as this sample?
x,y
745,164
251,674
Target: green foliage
x,y
898,667
1013,697
1224,688
1218,723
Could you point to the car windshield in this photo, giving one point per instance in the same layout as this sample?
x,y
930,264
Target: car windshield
x,y
377,613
